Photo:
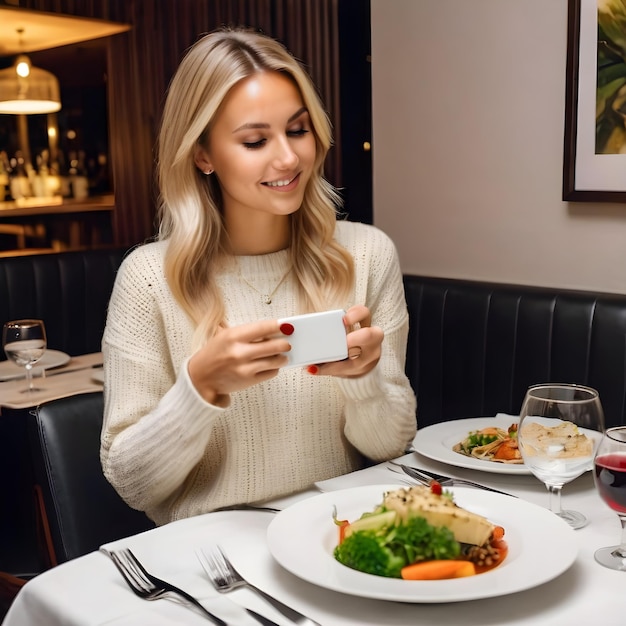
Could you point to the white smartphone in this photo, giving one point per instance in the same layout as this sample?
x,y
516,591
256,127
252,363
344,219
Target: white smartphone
x,y
316,338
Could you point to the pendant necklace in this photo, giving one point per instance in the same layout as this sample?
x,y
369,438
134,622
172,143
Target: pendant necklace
x,y
266,297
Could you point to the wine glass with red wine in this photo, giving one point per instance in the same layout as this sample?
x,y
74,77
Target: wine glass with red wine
x,y
610,479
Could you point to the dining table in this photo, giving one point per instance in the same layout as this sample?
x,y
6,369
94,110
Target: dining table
x,y
89,590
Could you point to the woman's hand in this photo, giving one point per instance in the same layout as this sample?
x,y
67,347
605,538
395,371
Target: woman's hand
x,y
237,358
364,346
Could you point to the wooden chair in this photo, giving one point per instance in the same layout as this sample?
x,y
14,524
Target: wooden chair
x,y
9,587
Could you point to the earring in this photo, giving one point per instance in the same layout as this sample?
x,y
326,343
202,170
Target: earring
x,y
208,172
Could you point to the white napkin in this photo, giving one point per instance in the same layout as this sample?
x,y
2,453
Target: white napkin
x,y
375,475
175,561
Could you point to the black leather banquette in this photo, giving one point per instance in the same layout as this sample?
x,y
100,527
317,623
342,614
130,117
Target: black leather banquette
x,y
68,290
474,347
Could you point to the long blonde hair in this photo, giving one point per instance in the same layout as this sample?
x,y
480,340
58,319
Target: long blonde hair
x,y
190,202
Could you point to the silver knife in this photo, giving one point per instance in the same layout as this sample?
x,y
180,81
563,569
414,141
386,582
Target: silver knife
x,y
266,621
57,372
424,476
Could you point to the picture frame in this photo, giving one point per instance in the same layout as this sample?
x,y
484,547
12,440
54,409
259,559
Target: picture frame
x,y
593,168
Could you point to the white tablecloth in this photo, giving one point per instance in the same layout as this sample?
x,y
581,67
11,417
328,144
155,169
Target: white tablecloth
x,y
89,590
82,374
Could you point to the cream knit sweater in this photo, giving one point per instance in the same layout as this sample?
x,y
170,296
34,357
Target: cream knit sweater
x,y
173,455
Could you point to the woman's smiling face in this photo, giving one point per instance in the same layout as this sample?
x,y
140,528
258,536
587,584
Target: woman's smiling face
x,y
262,148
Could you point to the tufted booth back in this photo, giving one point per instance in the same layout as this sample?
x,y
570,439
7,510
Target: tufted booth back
x,y
68,290
474,348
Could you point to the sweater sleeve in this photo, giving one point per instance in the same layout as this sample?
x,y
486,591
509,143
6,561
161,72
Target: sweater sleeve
x,y
156,426
380,407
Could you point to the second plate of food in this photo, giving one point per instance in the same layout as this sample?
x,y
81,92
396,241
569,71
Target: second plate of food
x,y
436,442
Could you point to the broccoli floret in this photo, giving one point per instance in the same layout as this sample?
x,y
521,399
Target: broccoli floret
x,y
416,540
366,551
386,551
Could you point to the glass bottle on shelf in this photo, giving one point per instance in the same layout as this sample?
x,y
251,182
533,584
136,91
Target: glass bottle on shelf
x,y
19,183
54,180
48,181
63,169
99,175
5,193
39,177
78,175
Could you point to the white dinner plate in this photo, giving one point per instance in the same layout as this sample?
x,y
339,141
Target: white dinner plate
x,y
541,547
435,442
51,358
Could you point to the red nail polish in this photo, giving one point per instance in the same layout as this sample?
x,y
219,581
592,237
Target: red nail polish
x,y
286,329
312,369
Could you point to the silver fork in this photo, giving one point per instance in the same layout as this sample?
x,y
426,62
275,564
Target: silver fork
x,y
445,481
149,587
225,577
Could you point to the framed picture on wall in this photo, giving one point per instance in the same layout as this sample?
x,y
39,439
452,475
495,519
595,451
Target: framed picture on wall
x,y
594,162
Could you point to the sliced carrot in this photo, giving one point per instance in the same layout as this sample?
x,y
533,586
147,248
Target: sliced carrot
x,y
343,526
469,569
437,570
497,533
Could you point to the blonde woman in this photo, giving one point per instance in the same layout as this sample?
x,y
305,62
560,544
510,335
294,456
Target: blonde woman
x,y
199,411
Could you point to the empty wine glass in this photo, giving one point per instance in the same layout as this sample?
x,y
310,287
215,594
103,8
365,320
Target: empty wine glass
x,y
560,428
610,479
24,342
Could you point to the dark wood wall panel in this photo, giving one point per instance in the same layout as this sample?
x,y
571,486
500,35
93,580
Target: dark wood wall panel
x,y
142,61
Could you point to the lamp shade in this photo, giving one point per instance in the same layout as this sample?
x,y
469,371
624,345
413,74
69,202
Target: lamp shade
x,y
25,89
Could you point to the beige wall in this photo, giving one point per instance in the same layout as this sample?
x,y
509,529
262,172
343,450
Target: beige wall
x,y
468,112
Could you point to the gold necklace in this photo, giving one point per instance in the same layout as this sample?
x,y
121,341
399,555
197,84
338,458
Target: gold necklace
x,y
266,297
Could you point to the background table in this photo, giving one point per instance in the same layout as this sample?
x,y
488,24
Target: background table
x,y
80,375
19,552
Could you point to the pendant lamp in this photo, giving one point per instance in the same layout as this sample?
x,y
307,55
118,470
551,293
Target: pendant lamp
x,y
25,89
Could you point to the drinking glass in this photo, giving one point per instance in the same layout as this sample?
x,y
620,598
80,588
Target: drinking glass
x,y
560,428
610,479
24,342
